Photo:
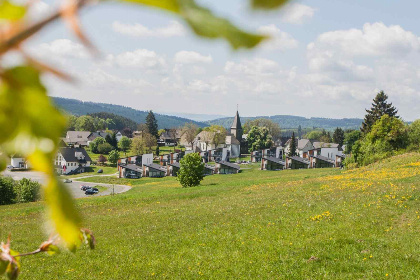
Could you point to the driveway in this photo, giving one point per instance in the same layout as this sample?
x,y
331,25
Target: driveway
x,y
74,186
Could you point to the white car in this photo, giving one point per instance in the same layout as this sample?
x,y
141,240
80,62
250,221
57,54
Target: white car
x,y
67,181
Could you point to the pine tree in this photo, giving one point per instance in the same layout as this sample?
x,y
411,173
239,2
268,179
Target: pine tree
x,y
338,136
292,146
300,132
152,125
380,107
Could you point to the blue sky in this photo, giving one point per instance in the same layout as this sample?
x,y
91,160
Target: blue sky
x,y
326,59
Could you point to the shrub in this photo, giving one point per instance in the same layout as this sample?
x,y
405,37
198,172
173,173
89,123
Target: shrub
x,y
27,191
113,156
95,144
7,192
414,136
101,159
192,170
104,148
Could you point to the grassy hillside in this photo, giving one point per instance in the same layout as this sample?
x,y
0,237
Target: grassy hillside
x,y
293,224
77,107
286,121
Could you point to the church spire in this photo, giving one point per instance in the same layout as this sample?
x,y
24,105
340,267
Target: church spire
x,y
236,128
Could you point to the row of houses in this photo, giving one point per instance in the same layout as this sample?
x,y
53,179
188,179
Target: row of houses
x,y
81,139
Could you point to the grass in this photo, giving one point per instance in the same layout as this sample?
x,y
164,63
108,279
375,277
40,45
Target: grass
x,y
292,224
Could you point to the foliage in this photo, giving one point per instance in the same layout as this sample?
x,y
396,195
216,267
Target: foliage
x,y
380,107
27,190
115,121
85,123
152,124
128,132
124,144
113,156
293,146
191,172
338,136
149,141
105,148
350,139
314,135
7,192
95,144
102,159
217,135
259,138
273,128
387,136
189,131
138,146
414,135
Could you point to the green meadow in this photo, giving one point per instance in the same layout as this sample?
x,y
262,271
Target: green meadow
x,y
291,224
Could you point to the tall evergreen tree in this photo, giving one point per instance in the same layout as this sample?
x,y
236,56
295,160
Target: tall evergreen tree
x,y
300,132
114,140
338,136
380,107
292,146
152,124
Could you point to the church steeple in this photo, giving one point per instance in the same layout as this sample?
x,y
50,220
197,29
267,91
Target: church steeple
x,y
236,128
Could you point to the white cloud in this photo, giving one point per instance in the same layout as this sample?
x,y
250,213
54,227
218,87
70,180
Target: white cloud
x,y
140,58
38,10
190,57
279,40
61,47
254,67
174,29
297,13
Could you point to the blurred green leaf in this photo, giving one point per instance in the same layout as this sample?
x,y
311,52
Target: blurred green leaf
x,y
9,11
204,23
268,4
3,266
13,267
30,125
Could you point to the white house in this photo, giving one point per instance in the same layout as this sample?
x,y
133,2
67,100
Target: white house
x,y
71,160
19,162
119,136
302,148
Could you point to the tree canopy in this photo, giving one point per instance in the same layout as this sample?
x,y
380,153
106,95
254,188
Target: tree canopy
x,y
380,107
259,138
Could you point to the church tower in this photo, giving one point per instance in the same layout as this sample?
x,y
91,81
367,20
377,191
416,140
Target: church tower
x,y
236,128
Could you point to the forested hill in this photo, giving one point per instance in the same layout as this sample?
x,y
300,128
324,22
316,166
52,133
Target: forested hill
x,y
286,121
78,108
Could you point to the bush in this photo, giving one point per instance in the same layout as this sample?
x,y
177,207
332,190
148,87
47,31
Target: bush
x,y
113,156
7,192
27,191
105,148
192,170
95,144
102,159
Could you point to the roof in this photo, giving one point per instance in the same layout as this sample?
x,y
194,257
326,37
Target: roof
x,y
69,154
156,167
299,159
175,164
132,167
78,135
231,140
275,160
212,167
97,134
229,164
236,122
319,145
325,159
302,143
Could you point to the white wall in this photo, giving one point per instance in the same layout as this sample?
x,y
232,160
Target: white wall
x,y
147,159
329,152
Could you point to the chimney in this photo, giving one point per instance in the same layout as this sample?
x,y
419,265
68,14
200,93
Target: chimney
x,y
171,158
209,156
144,171
167,171
161,160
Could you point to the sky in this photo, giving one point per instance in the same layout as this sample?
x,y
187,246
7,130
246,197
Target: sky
x,y
324,59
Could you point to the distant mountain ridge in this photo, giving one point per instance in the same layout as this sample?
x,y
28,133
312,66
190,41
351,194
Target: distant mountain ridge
x,y
291,122
78,107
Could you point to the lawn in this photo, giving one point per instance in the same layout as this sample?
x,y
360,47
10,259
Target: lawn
x,y
93,170
292,224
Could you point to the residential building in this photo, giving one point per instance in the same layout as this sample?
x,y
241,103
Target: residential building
x,y
154,170
225,167
71,161
272,163
296,162
77,139
19,162
302,148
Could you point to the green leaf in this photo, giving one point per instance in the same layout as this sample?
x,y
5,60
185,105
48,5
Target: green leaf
x,y
3,266
205,24
9,11
268,4
30,125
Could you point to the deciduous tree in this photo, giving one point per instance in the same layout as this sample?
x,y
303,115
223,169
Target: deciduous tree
x,y
380,107
192,170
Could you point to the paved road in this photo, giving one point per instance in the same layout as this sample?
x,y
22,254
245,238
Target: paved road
x,y
74,186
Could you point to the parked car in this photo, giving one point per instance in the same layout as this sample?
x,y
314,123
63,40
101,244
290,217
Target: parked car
x,y
85,188
10,167
67,181
91,191
100,171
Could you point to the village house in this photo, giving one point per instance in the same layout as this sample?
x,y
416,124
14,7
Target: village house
x,y
296,162
209,169
225,167
272,163
133,166
173,168
77,139
71,161
302,148
321,162
96,134
19,162
154,170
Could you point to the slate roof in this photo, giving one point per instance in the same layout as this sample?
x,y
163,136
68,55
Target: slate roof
x,y
175,164
299,159
325,159
319,145
229,164
81,135
236,122
275,160
156,167
97,134
301,143
132,167
231,140
69,154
